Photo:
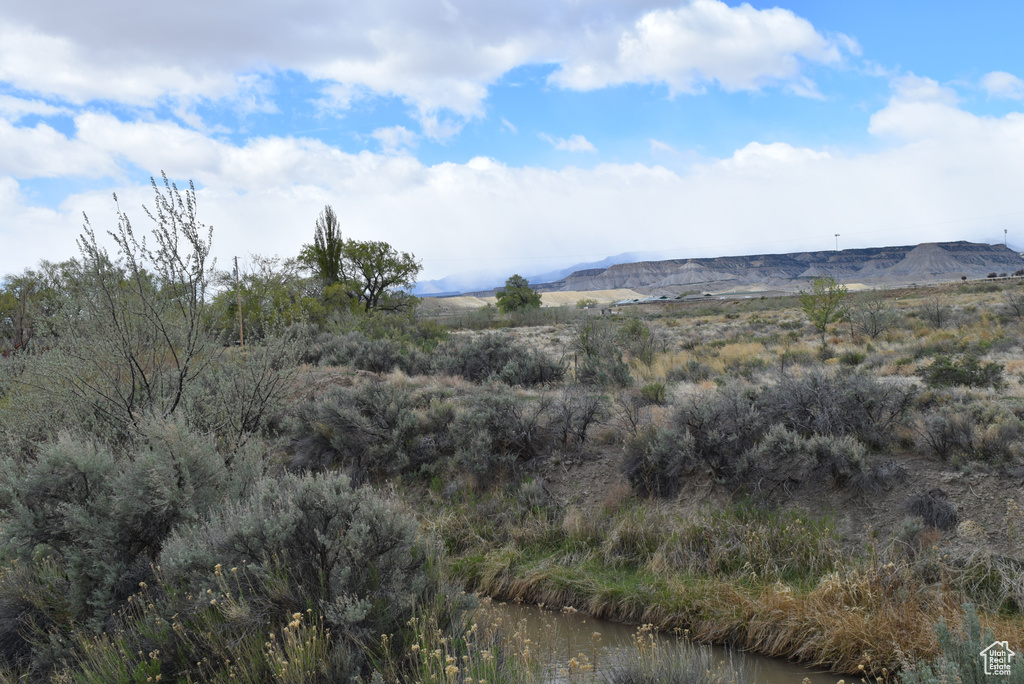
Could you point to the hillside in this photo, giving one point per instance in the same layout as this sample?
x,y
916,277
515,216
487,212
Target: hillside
x,y
876,266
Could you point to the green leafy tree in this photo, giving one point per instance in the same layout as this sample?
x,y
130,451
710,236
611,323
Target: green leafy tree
x,y
371,275
28,303
273,295
517,295
824,304
325,256
380,277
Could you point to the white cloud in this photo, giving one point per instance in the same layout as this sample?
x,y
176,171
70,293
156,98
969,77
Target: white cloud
x,y
437,57
43,152
920,108
574,143
1002,84
15,108
704,41
658,146
33,61
395,139
508,125
937,173
30,234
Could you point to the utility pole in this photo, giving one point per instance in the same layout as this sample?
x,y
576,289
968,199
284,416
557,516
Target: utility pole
x,y
837,242
238,298
1004,237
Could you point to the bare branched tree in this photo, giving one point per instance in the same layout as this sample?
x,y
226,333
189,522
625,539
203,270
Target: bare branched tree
x,y
135,321
872,314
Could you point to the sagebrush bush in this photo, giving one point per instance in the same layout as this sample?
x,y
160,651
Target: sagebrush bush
x,y
496,356
376,355
691,371
498,433
722,424
655,461
879,478
370,431
774,437
958,659
239,395
637,338
310,542
103,515
783,460
970,429
836,404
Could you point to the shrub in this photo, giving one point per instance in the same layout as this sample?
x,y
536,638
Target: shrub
x,y
880,478
691,371
103,515
783,460
637,339
496,356
723,423
573,412
498,433
958,659
309,542
966,370
975,429
655,461
378,356
836,404
936,311
778,436
872,314
654,392
241,394
132,326
934,509
852,358
598,354
373,354
369,430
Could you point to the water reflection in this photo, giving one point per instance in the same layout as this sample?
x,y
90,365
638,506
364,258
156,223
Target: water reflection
x,y
566,641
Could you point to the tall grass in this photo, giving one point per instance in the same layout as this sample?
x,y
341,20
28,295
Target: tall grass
x,y
777,584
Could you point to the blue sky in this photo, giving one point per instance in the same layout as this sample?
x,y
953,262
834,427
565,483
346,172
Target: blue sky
x,y
497,137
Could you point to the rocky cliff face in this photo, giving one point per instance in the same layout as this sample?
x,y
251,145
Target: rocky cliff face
x,y
878,266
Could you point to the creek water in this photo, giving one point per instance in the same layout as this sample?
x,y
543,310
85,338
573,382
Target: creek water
x,y
562,636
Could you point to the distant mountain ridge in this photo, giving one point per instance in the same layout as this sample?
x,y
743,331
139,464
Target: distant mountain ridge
x,y
874,266
486,280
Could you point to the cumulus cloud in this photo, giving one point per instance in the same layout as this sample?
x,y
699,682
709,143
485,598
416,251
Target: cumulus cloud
x,y
41,151
37,62
437,57
16,108
395,139
705,41
938,173
574,143
1002,84
30,234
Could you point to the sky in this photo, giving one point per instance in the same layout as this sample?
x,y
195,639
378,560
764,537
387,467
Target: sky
x,y
489,138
